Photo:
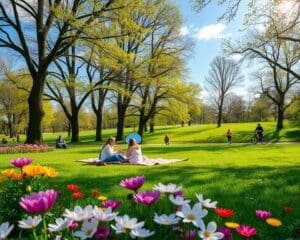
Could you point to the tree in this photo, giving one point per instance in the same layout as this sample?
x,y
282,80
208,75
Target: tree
x,y
164,63
68,88
13,109
57,25
279,76
261,109
222,77
234,109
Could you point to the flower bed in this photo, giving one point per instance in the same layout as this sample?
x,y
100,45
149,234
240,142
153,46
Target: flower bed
x,y
163,212
25,148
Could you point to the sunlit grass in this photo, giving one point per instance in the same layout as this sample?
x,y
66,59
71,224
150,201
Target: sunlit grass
x,y
242,177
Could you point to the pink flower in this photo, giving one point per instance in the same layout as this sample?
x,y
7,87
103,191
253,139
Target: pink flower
x,y
246,231
102,232
147,197
133,183
20,162
262,214
111,203
227,233
38,202
190,235
73,225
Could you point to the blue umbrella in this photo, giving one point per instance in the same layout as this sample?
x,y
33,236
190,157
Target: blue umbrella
x,y
135,136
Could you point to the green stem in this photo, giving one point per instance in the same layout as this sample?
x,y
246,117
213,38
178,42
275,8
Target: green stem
x,y
34,235
45,226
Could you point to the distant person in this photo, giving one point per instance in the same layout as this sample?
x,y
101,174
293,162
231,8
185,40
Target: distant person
x,y
60,143
109,154
4,141
229,136
259,132
167,140
18,137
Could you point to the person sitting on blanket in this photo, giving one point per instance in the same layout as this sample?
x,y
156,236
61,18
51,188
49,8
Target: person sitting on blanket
x,y
134,153
108,154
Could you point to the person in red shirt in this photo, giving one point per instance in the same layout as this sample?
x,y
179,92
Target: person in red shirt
x,y
229,136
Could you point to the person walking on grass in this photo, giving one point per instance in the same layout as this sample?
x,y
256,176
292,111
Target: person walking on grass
x,y
167,140
229,136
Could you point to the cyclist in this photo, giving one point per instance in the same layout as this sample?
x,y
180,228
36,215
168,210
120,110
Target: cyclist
x,y
259,132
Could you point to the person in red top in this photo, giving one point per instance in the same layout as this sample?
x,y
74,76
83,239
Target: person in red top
x,y
229,136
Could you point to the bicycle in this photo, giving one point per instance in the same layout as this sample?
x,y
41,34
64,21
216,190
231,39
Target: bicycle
x,y
255,139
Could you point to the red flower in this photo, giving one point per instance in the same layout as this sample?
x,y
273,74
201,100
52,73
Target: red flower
x,y
95,193
77,195
288,209
73,187
224,212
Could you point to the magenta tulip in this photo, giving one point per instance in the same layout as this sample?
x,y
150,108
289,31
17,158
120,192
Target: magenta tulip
x,y
133,183
262,214
20,162
147,198
39,202
102,232
111,203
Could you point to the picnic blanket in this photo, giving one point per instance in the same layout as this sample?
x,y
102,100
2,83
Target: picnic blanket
x,y
146,161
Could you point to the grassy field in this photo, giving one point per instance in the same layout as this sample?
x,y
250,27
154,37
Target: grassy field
x,y
242,177
207,133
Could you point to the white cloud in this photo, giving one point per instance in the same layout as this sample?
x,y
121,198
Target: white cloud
x,y
236,57
184,31
213,31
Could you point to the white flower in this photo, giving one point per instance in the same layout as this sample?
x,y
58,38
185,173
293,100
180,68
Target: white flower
x,y
80,214
166,220
210,233
140,233
207,202
5,230
30,222
178,200
61,224
104,216
125,222
193,215
170,188
88,229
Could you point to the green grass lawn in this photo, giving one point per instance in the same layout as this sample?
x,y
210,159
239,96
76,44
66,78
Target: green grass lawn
x,y
242,177
207,133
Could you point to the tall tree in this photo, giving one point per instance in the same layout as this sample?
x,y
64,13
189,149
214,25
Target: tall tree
x,y
68,88
275,83
165,51
223,75
40,32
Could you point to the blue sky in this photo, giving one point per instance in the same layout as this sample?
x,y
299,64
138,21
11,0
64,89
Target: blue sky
x,y
207,33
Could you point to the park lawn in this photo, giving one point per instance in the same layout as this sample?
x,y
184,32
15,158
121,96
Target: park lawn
x,y
206,133
242,177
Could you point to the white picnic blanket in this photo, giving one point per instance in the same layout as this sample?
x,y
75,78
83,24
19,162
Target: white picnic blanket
x,y
146,161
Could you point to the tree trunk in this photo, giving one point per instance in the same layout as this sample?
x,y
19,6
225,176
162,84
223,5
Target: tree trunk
x,y
120,126
280,117
145,127
141,127
36,113
151,127
219,116
75,127
99,125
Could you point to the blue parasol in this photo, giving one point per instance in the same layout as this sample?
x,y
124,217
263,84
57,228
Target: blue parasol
x,y
135,136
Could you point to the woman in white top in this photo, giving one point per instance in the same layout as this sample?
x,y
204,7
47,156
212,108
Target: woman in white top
x,y
134,153
108,154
